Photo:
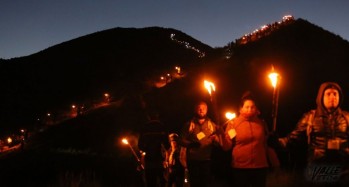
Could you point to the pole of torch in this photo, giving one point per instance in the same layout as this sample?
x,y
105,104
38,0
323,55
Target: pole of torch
x,y
216,114
275,105
215,107
136,156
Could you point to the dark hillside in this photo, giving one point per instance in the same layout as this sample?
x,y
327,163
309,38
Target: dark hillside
x,y
86,150
119,61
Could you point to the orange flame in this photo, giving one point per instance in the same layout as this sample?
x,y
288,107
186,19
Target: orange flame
x,y
230,115
209,86
125,141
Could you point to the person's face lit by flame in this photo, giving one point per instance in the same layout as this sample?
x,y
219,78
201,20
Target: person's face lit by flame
x,y
201,110
331,99
249,109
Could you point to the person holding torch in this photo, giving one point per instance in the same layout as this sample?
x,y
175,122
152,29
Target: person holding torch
x,y
246,136
198,138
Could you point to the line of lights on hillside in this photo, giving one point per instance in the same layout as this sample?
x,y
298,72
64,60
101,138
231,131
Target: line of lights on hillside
x,y
52,118
49,119
187,45
264,30
169,77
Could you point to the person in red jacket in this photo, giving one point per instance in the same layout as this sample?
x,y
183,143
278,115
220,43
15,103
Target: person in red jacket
x,y
246,136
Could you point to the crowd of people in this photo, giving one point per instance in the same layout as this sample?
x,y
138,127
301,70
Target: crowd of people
x,y
185,159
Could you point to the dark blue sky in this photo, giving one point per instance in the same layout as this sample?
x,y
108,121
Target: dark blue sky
x,y
28,27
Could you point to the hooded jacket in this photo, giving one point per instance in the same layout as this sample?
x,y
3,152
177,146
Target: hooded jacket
x,y
327,132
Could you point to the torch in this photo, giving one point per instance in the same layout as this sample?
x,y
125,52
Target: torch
x,y
275,81
230,116
125,141
212,91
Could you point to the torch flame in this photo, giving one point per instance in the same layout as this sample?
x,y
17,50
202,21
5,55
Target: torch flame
x,y
178,69
124,140
230,115
274,79
209,86
9,140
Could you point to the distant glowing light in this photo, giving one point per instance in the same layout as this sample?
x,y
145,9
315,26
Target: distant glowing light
x,y
287,17
9,140
264,27
178,69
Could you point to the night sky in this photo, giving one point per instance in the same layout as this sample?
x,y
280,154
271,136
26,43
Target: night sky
x,y
28,27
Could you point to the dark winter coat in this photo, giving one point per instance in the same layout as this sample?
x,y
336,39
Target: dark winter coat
x,y
327,133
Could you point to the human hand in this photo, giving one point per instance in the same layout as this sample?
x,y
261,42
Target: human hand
x,y
165,164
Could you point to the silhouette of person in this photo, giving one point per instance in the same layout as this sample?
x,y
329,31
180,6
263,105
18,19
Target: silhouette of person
x,y
174,168
153,141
